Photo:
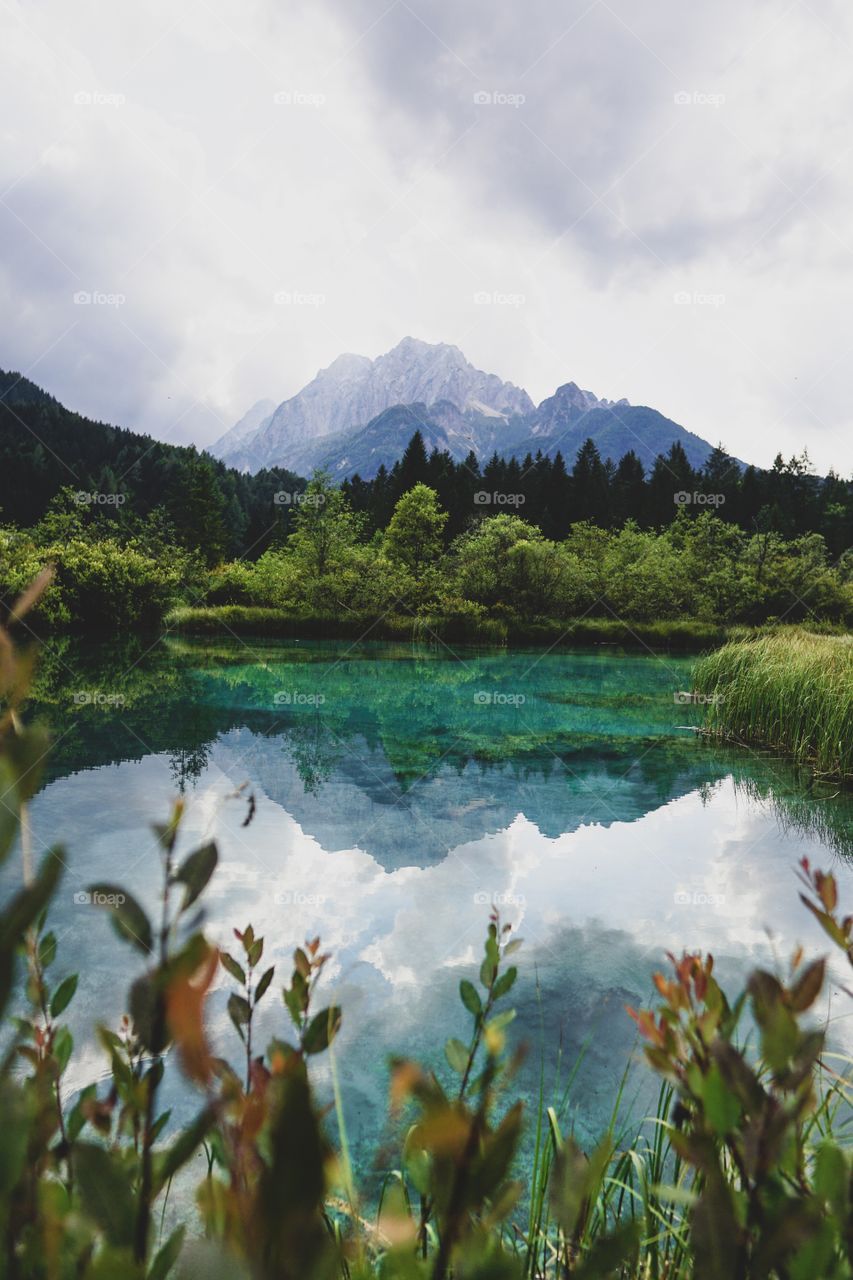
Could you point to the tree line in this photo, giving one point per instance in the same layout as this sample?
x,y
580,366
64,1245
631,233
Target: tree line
x,y
788,499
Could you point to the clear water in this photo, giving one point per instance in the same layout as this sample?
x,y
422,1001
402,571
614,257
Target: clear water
x,y
400,793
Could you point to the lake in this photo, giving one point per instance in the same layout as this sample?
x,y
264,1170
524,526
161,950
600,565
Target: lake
x,y
402,792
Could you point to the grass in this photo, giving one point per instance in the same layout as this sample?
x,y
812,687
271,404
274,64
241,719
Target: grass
x,y
688,634
788,690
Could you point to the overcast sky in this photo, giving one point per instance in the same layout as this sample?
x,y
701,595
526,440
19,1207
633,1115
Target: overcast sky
x,y
654,199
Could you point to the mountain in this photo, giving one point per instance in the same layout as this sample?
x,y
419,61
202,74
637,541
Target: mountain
x,y
359,414
353,390
251,421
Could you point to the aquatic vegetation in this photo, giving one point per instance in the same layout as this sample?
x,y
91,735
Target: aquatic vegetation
x,y
790,691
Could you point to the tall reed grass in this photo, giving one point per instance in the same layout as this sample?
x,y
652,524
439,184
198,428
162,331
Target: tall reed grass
x,y
790,690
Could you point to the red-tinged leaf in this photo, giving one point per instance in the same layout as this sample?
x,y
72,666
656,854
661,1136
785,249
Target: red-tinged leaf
x,y
185,1014
808,986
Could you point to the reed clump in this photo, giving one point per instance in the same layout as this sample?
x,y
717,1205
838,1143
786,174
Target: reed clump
x,y
790,691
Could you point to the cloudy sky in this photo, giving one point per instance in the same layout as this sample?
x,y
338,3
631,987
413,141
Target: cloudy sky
x,y
654,200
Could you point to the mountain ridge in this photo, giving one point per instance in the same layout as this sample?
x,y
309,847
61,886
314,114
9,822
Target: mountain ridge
x,y
350,418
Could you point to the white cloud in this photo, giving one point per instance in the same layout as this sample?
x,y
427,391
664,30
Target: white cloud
x,y
377,182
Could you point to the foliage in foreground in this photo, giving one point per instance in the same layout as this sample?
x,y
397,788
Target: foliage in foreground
x,y
741,1178
792,692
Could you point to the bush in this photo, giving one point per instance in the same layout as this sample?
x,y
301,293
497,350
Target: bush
x,y
97,584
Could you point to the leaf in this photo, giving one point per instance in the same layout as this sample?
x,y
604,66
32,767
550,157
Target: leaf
x,y
167,1256
47,950
609,1253
63,995
808,987
291,1235
105,1191
25,754
22,911
236,970
714,1233
457,1055
148,1011
721,1105
263,984
470,997
184,1146
24,908
238,1012
505,982
492,1165
831,1178
322,1029
129,920
195,872
63,1045
256,950
185,998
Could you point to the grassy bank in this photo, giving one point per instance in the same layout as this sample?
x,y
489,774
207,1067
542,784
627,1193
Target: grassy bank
x,y
688,634
789,690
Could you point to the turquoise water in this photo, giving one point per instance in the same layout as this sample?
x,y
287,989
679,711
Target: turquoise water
x,y
401,793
